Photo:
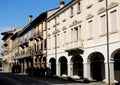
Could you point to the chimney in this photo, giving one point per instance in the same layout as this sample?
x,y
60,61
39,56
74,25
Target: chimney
x,y
62,3
30,18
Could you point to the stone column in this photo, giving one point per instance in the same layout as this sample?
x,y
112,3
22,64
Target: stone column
x,y
87,70
70,69
25,66
58,69
112,79
22,67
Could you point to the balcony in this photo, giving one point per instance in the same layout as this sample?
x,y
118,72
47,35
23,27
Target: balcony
x,y
5,44
75,47
21,44
24,54
26,42
38,35
38,52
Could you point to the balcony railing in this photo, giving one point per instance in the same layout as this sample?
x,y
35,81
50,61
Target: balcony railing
x,y
38,52
24,54
75,45
38,35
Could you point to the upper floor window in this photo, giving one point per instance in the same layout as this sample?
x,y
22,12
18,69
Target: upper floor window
x,y
76,34
103,25
90,29
58,40
113,21
78,7
64,37
71,35
71,11
79,32
57,18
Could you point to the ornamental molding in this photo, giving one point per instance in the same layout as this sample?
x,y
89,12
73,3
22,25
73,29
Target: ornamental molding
x,y
112,5
56,31
75,22
64,28
49,34
101,10
89,16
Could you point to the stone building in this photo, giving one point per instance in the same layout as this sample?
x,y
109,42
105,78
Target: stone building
x,y
77,40
7,49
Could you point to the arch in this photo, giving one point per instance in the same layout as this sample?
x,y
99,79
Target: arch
x,y
52,62
97,66
116,58
77,61
63,65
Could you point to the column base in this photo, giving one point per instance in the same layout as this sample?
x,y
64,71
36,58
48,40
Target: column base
x,y
75,77
111,83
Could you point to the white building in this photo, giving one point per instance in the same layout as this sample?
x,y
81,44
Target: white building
x,y
76,40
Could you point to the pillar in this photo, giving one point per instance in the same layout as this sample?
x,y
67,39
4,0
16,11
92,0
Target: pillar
x,y
70,69
58,69
87,70
112,79
25,66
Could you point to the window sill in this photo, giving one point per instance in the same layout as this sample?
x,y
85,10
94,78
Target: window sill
x,y
100,0
90,38
71,16
64,20
58,23
78,12
76,41
113,32
89,6
102,35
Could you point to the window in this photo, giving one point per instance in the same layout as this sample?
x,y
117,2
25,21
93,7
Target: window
x,y
76,34
113,16
45,44
58,38
71,35
48,42
64,37
78,7
90,29
57,20
79,32
71,11
103,25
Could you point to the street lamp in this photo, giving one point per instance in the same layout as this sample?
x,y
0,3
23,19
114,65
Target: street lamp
x,y
107,36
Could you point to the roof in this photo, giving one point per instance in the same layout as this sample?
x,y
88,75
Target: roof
x,y
63,7
7,32
37,20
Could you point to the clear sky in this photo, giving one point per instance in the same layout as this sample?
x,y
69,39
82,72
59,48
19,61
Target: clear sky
x,y
14,13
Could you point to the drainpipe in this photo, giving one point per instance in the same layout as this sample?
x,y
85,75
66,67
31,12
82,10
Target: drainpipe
x,y
107,25
56,44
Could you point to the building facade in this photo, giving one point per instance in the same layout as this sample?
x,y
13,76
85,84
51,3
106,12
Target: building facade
x,y
70,40
77,40
7,49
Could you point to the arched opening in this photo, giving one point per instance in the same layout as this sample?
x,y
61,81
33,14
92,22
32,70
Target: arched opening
x,y
117,65
77,65
53,66
97,66
63,65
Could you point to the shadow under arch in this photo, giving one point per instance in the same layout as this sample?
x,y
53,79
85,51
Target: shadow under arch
x,y
52,62
97,66
115,56
77,62
63,65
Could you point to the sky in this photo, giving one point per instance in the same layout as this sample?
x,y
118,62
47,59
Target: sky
x,y
15,13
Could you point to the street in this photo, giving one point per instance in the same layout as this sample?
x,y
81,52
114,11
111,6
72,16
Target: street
x,y
15,79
